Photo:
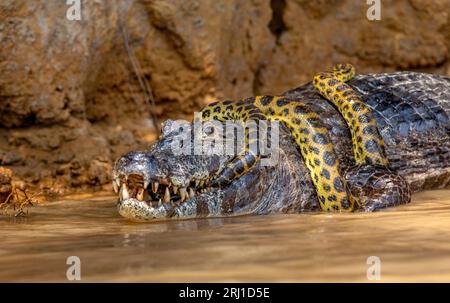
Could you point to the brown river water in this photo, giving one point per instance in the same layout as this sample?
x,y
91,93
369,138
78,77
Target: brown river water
x,y
412,242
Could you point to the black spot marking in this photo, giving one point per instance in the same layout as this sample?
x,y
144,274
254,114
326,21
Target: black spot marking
x,y
356,107
333,82
345,203
314,150
326,187
227,102
217,109
332,198
340,88
317,162
229,107
265,100
286,112
297,121
304,140
338,186
304,131
325,173
206,113
321,139
329,158
282,102
347,93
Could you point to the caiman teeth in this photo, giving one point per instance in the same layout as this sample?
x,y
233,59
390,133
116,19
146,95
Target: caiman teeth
x,y
191,193
123,195
140,194
167,195
164,191
183,193
155,186
115,186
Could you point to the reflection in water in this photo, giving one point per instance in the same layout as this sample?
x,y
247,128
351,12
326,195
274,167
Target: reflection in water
x,y
412,242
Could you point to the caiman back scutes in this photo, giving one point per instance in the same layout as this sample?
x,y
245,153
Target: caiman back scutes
x,y
368,145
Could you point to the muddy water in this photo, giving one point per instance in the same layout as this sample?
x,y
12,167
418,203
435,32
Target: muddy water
x,y
413,243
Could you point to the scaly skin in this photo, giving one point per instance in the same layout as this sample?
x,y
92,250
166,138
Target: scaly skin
x,y
411,111
309,133
368,145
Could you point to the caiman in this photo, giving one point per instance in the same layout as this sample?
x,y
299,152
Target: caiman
x,y
346,142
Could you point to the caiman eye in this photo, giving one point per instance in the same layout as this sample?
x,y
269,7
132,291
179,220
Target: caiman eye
x,y
209,130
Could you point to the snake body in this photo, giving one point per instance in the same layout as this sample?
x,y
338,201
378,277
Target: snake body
x,y
370,162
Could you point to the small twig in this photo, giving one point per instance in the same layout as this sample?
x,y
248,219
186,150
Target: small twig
x,y
18,203
143,83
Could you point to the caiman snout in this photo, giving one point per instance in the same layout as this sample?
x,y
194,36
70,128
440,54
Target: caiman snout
x,y
146,190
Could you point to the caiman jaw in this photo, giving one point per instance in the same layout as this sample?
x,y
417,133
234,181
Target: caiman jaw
x,y
159,199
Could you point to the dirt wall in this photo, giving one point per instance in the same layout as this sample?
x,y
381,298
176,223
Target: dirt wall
x,y
74,94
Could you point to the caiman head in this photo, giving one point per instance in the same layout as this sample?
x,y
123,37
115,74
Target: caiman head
x,y
171,179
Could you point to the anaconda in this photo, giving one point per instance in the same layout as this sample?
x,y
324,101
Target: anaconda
x,y
360,145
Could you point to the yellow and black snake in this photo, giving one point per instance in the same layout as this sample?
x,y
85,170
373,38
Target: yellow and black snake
x,y
310,134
